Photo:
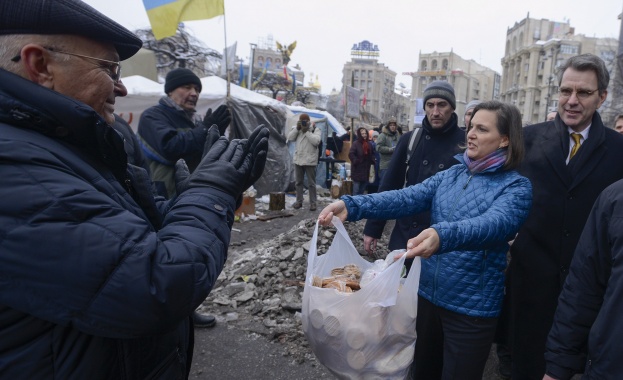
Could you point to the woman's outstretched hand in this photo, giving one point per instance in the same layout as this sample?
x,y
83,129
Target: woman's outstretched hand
x,y
425,244
337,209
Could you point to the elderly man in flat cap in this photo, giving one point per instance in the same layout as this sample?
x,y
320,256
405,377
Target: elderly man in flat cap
x,y
98,278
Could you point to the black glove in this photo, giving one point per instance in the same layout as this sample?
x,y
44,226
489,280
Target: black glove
x,y
257,148
226,167
221,117
211,138
181,176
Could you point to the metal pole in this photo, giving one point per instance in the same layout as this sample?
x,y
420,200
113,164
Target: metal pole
x,y
251,60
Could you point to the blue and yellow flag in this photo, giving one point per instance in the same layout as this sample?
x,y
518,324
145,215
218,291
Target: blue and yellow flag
x,y
165,15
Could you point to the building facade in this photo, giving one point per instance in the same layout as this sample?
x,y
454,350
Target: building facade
x,y
376,82
471,81
534,51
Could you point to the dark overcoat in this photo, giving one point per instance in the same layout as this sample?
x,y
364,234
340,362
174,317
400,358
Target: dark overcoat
x,y
563,196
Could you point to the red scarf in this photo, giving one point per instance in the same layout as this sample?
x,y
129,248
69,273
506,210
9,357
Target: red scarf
x,y
366,146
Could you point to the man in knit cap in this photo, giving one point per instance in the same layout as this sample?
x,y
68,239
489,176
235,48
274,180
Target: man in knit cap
x,y
420,154
172,130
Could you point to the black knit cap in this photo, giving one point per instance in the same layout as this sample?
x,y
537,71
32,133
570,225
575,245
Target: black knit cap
x,y
440,89
179,77
66,17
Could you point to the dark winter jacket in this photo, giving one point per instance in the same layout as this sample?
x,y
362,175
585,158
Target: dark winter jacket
x,y
95,283
360,162
167,134
590,308
475,215
435,152
542,252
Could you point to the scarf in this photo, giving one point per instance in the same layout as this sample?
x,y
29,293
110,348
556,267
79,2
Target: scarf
x,y
491,161
191,114
366,146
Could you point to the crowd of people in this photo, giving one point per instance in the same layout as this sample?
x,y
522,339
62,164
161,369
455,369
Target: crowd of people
x,y
110,240
494,189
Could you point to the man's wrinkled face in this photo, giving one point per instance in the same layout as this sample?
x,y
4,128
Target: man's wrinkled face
x,y
87,80
186,96
438,111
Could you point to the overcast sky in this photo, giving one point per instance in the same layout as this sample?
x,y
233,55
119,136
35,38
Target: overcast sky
x,y
325,30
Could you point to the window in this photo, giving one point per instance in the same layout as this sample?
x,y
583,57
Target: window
x,y
433,65
423,66
444,64
569,49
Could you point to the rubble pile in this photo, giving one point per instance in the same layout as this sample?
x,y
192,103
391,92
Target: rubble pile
x,y
261,287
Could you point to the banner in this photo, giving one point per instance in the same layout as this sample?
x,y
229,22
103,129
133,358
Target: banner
x,y
352,101
227,62
165,15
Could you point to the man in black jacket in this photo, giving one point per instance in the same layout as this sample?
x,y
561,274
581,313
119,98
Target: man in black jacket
x,y
569,161
440,138
588,317
98,278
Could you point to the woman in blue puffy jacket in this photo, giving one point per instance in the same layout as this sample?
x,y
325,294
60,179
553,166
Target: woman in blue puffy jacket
x,y
476,207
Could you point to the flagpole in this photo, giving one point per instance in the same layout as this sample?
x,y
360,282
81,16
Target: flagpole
x,y
225,50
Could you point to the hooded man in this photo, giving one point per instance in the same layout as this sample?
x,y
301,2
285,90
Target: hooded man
x,y
386,144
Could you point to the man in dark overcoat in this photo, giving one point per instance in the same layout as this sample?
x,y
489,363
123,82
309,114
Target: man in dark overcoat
x,y
569,161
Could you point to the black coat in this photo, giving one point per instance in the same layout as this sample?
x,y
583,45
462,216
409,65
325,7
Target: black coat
x,y
542,252
590,308
91,286
435,152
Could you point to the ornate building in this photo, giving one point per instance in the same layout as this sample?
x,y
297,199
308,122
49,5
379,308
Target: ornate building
x,y
534,51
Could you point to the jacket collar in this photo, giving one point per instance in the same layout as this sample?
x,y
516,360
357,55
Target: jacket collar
x,y
27,105
451,125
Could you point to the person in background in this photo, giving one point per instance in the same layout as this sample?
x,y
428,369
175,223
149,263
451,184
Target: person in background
x,y
551,116
618,123
99,277
172,130
307,138
569,161
469,110
374,186
586,334
476,207
438,141
361,157
386,144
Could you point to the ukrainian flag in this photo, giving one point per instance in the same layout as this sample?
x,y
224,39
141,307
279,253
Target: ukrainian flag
x,y
165,15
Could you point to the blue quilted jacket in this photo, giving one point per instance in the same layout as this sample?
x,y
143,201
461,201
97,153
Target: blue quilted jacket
x,y
475,217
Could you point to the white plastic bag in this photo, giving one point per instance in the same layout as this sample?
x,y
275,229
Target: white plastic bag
x,y
369,334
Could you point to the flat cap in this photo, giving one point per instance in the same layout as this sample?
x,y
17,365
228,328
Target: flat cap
x,y
66,17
